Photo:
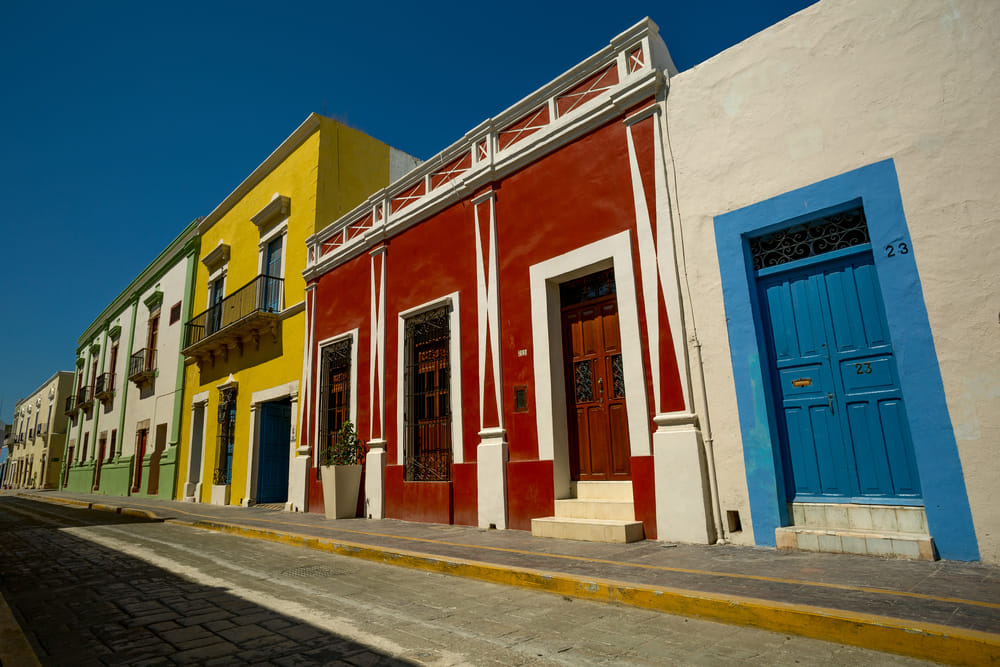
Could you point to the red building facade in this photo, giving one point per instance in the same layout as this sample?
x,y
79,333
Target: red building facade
x,y
504,324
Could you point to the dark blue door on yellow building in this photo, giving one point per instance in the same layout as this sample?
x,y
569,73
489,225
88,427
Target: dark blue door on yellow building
x,y
841,416
272,468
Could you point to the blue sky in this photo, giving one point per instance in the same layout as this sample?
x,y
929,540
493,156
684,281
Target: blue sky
x,y
121,122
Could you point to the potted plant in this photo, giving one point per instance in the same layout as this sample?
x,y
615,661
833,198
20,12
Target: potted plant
x,y
341,473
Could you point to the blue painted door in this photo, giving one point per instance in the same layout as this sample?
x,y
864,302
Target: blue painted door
x,y
844,431
272,469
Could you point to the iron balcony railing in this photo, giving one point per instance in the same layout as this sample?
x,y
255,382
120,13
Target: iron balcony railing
x,y
84,396
262,294
104,385
70,404
141,362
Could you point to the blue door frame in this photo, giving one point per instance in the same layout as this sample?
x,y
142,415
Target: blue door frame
x,y
876,188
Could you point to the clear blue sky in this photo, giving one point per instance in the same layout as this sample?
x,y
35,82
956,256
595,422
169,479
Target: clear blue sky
x,y
121,122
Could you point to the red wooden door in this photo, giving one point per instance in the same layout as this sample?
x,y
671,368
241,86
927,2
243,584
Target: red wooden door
x,y
595,392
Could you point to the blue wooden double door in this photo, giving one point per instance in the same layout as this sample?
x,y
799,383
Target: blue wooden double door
x,y
839,406
275,435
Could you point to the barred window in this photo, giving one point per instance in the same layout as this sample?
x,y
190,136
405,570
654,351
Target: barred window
x,y
334,394
226,437
831,232
427,414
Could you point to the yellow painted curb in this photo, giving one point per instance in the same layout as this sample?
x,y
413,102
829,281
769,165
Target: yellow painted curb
x,y
917,639
15,650
928,641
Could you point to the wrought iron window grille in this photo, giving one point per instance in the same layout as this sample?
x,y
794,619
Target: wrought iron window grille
x,y
335,394
427,411
226,437
587,288
836,231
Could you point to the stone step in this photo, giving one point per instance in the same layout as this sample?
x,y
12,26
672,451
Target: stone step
x,y
590,508
588,530
601,490
855,516
887,544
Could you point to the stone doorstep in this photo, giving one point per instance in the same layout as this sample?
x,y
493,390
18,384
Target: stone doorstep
x,y
601,490
588,530
589,508
912,546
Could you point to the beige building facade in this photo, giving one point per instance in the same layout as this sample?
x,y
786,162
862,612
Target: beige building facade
x,y
38,435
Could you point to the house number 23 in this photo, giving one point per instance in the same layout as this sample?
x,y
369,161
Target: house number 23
x,y
863,368
893,248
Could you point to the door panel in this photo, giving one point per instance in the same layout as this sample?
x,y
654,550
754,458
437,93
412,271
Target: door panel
x,y
272,469
840,407
598,438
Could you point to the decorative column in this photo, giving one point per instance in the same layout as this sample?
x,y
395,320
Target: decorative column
x,y
683,501
298,464
376,458
492,452
248,493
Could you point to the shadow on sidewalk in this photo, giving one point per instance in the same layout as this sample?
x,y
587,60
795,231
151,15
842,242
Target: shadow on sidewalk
x,y
80,603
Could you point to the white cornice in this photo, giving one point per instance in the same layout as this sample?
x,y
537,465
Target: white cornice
x,y
294,140
480,151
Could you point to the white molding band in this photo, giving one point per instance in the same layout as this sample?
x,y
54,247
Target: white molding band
x,y
488,307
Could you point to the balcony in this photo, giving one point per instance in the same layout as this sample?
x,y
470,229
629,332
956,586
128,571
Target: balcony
x,y
70,409
85,398
104,386
142,366
244,315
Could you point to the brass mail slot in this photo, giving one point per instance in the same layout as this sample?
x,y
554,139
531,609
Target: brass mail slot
x,y
802,382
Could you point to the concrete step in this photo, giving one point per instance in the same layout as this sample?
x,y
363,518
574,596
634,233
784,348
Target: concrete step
x,y
887,544
588,530
601,490
589,508
855,516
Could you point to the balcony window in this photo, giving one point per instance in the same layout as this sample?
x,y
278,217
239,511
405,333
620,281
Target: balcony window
x,y
142,366
243,315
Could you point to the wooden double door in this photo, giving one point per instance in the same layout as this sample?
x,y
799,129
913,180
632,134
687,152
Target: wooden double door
x,y
595,391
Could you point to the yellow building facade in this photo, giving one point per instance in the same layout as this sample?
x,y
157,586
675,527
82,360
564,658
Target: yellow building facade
x,y
244,348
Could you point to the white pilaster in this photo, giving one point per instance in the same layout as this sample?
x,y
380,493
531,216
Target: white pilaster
x,y
251,457
491,478
375,480
683,503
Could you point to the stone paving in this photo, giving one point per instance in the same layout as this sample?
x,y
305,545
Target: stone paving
x,y
964,596
120,610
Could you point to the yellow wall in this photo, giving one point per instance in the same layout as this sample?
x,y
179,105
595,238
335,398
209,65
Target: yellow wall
x,y
331,171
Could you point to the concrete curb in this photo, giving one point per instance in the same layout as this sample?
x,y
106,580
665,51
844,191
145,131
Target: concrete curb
x,y
15,649
912,638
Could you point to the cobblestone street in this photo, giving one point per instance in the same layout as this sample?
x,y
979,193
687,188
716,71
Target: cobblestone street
x,y
98,588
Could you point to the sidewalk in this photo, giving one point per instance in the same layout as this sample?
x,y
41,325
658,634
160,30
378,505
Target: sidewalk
x,y
944,611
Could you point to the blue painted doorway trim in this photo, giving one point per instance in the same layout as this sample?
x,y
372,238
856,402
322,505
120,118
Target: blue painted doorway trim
x,y
876,187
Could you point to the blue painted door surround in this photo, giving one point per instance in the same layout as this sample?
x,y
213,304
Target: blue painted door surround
x,y
272,467
840,412
935,453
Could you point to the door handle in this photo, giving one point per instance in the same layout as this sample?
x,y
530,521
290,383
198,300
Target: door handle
x,y
829,400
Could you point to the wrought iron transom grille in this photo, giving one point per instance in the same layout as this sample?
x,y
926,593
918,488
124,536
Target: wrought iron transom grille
x,y
587,288
227,427
427,414
334,393
833,232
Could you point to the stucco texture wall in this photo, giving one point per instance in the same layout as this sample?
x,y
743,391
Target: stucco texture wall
x,y
840,85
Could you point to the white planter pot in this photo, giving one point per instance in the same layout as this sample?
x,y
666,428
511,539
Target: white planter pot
x,y
341,485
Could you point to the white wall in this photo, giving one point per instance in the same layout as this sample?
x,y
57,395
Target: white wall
x,y
840,85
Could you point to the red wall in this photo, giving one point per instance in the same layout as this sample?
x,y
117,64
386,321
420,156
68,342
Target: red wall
x,y
576,195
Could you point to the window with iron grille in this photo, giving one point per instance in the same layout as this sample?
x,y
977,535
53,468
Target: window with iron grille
x,y
226,438
334,394
427,415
